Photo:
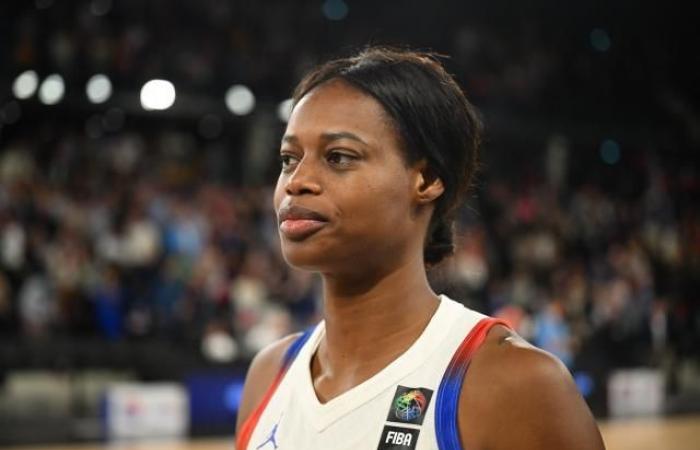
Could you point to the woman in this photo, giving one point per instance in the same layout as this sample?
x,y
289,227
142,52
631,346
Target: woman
x,y
378,153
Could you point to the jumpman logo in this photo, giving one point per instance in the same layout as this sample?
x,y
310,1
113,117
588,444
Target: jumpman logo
x,y
271,438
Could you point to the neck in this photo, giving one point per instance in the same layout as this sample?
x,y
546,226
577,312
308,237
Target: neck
x,y
371,322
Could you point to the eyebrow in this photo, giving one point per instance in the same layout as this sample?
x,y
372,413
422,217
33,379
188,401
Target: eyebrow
x,y
327,137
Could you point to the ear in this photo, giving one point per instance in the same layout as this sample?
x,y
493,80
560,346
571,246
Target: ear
x,y
428,186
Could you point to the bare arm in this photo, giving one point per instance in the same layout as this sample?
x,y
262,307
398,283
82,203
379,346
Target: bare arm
x,y
518,396
261,373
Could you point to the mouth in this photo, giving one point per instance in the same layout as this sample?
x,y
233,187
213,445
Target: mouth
x,y
297,223
299,229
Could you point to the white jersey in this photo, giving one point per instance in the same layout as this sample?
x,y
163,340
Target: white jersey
x,y
411,404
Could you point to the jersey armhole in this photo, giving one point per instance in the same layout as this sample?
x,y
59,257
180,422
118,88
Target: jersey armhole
x,y
251,421
446,405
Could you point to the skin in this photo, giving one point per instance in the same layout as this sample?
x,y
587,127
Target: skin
x,y
370,256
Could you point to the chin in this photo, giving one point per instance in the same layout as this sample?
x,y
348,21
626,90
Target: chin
x,y
303,256
324,257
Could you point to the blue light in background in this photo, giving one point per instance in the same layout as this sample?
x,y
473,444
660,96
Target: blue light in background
x,y
600,40
233,395
610,152
335,9
584,383
214,399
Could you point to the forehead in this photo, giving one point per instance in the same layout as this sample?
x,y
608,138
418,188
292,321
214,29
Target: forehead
x,y
337,106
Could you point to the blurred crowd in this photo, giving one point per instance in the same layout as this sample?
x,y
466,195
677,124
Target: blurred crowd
x,y
113,237
111,230
120,245
596,277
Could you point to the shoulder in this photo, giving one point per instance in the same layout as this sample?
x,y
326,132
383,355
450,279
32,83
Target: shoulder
x,y
522,397
261,373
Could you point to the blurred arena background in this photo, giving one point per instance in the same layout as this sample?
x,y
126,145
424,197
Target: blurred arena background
x,y
139,261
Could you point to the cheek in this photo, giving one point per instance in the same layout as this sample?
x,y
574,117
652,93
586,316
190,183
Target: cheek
x,y
278,194
380,207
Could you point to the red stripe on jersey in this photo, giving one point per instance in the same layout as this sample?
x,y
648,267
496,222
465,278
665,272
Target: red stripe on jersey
x,y
249,425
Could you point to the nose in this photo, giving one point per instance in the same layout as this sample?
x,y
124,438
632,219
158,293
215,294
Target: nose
x,y
304,180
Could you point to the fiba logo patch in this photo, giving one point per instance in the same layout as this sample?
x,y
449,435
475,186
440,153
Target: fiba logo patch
x,y
409,405
398,438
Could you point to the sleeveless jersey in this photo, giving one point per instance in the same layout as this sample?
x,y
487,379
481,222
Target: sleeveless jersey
x,y
411,404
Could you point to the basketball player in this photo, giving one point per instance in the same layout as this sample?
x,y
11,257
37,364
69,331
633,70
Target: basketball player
x,y
378,153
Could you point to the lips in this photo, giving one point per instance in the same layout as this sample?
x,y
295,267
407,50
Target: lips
x,y
297,222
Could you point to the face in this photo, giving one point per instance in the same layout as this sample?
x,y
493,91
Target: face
x,y
345,197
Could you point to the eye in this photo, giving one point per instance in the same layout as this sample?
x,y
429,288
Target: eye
x,y
340,158
288,161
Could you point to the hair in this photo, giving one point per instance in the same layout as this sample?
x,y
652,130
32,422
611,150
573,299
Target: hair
x,y
433,118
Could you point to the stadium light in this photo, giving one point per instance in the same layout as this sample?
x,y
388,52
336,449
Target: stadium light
x,y
240,100
52,89
284,110
25,84
98,88
157,95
